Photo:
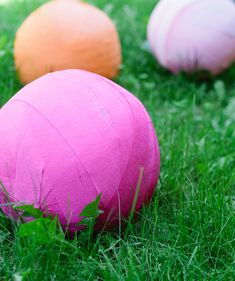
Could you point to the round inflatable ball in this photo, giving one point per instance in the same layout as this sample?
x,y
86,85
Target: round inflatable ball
x,y
72,135
193,35
66,34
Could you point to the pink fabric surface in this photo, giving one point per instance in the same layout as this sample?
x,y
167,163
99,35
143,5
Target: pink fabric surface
x,y
190,35
70,135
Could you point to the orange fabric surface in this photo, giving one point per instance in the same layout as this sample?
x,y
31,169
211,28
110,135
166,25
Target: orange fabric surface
x,y
66,34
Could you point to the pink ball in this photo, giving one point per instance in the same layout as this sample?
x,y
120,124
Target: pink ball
x,y
71,135
191,35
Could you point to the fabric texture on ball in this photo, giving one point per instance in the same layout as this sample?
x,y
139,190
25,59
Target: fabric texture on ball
x,y
71,135
66,34
192,35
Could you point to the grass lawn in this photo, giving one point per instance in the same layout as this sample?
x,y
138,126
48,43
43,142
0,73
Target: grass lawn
x,y
188,230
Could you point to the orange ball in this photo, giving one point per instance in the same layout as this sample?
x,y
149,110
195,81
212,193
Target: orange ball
x,y
66,34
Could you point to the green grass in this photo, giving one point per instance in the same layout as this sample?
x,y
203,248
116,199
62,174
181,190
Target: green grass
x,y
188,230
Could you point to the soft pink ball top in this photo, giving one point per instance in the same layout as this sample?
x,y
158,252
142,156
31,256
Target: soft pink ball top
x,y
71,135
189,35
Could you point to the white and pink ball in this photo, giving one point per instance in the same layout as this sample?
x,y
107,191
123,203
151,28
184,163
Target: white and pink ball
x,y
192,35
